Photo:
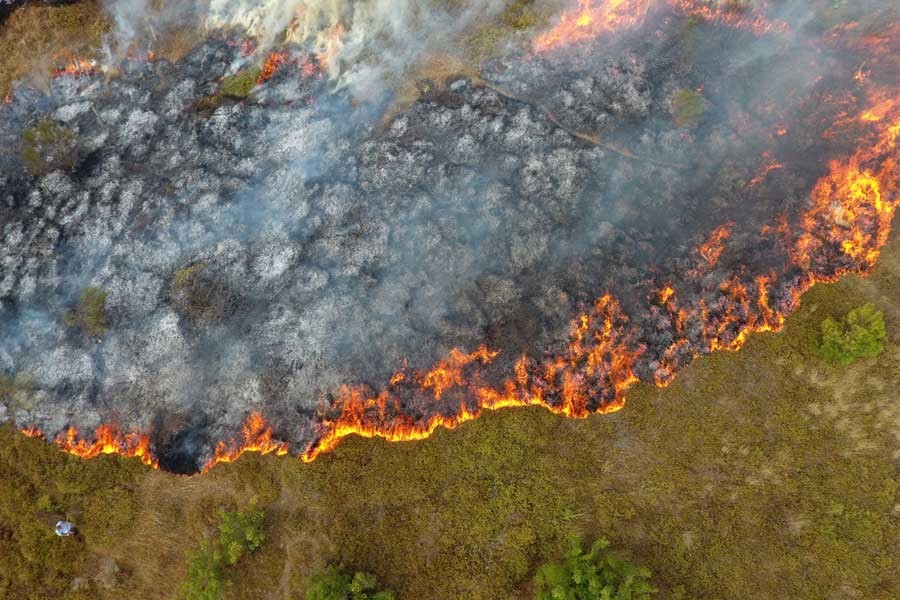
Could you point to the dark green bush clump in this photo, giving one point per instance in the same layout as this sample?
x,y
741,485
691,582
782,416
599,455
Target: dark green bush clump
x,y
90,313
333,584
240,532
593,575
859,334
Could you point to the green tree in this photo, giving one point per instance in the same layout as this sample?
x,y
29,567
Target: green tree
x,y
333,584
594,575
859,334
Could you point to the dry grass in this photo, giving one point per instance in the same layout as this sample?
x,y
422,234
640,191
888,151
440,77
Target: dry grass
x,y
37,38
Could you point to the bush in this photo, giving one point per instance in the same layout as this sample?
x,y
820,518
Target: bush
x,y
333,584
240,84
240,532
90,313
687,108
597,574
859,334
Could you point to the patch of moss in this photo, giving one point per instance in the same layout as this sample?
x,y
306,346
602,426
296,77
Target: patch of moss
x,y
90,313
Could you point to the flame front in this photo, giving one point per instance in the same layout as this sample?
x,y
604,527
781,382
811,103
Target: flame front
x,y
256,436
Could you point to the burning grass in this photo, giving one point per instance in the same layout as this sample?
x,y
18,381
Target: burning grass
x,y
717,484
33,37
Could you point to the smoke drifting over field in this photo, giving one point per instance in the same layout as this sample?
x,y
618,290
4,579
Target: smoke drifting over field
x,y
590,211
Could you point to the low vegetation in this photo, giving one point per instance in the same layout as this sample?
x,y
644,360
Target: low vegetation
x,y
89,314
48,146
597,574
240,532
331,583
858,334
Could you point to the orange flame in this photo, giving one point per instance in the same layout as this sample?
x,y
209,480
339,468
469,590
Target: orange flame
x,y
587,22
591,377
274,61
256,436
107,440
76,67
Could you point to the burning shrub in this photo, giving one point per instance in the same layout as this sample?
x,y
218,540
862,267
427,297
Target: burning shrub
x,y
333,584
687,108
48,146
240,532
597,573
859,334
90,313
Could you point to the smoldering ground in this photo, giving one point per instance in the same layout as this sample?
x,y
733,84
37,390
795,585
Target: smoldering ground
x,y
261,253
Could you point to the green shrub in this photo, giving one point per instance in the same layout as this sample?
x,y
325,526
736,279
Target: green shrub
x,y
859,334
687,108
90,313
48,146
594,575
333,584
240,532
240,84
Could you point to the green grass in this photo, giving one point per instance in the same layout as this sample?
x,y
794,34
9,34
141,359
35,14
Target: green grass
x,y
764,473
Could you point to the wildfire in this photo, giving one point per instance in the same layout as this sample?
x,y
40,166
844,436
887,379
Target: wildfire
x,y
711,250
256,436
752,20
591,20
768,166
274,61
76,67
107,439
591,377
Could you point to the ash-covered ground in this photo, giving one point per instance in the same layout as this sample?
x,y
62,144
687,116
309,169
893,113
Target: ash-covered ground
x,y
258,254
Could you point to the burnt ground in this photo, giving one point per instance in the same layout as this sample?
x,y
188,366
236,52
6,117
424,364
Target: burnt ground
x,y
262,252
